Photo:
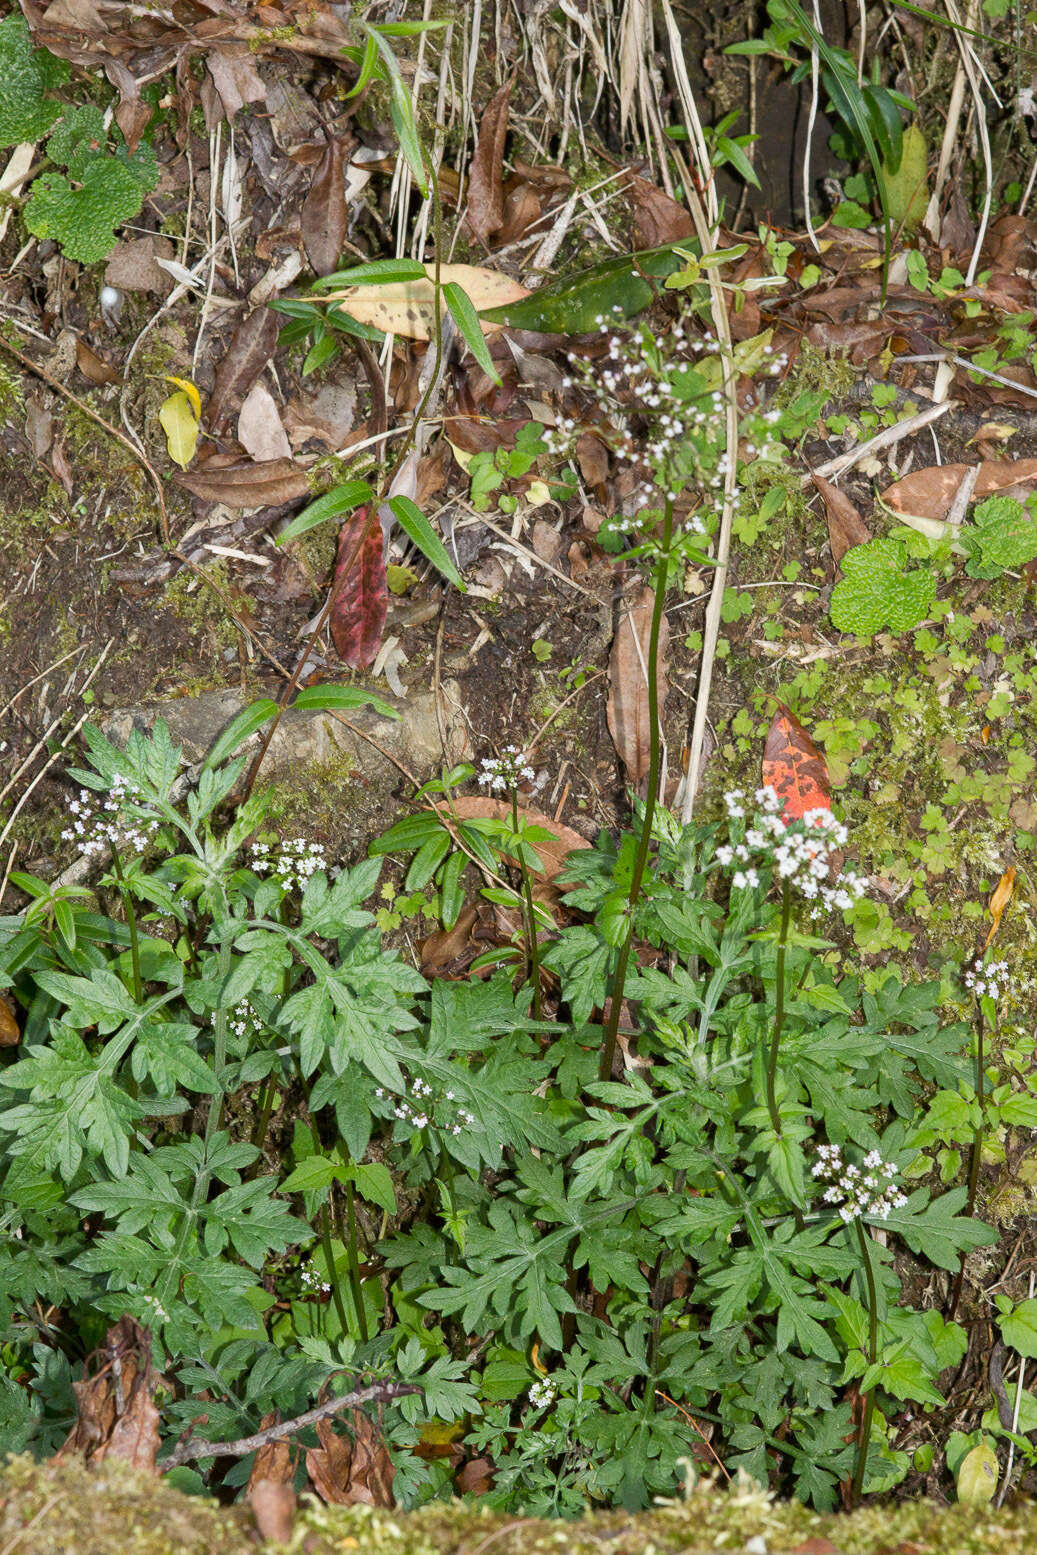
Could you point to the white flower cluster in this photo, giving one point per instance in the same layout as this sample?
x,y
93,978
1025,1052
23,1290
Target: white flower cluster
x,y
117,823
688,437
155,1307
986,982
799,850
542,1393
243,1020
867,1189
505,771
310,1280
419,1116
291,863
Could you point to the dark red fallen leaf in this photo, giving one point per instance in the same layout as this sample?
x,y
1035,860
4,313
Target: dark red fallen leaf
x,y
360,594
794,767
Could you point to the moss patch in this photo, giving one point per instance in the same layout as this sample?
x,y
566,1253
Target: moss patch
x,y
50,1508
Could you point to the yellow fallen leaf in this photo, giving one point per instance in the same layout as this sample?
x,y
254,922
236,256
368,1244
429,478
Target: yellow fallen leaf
x,y
537,494
408,307
179,423
191,392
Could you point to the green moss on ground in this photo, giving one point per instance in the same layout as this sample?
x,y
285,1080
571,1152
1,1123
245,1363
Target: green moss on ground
x,y
52,1508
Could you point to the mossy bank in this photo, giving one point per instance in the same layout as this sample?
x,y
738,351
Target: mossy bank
x,y
48,1508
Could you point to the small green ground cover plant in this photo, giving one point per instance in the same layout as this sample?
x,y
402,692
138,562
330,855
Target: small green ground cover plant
x,y
89,190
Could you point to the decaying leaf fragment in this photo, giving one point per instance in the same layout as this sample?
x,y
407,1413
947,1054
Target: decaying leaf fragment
x,y
346,1472
627,710
117,1415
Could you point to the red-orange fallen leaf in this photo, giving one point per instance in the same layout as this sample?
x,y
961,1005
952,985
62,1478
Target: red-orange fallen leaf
x,y
846,527
627,709
999,901
360,594
794,767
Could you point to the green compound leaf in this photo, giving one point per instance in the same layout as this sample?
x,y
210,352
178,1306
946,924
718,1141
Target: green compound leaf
x,y
83,219
27,75
1004,533
877,591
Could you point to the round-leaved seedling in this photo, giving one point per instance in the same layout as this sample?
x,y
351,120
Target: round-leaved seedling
x,y
877,591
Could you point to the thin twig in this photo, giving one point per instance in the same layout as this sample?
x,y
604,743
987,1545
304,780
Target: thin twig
x,y
194,1447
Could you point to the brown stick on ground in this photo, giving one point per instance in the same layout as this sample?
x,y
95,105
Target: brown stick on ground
x,y
194,1447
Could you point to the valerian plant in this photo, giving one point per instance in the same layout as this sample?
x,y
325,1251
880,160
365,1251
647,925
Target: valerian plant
x,y
602,1200
239,1118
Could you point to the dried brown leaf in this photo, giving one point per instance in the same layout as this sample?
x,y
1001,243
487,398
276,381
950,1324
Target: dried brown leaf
x,y
251,347
247,485
593,458
260,432
475,1478
132,268
444,949
929,493
846,527
658,219
93,367
116,1415
627,710
522,208
269,1491
551,853
408,308
135,1436
235,77
328,1465
325,213
346,1473
485,193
